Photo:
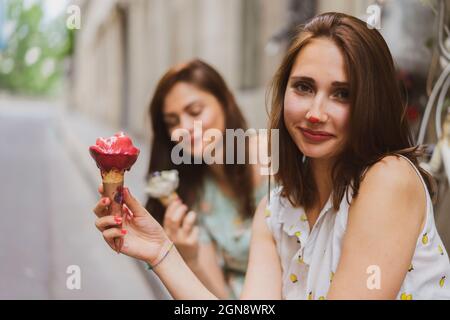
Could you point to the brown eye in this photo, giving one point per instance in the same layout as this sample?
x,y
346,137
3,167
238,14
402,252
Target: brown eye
x,y
342,94
303,87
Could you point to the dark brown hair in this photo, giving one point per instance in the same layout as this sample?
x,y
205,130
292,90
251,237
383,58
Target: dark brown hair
x,y
378,125
239,176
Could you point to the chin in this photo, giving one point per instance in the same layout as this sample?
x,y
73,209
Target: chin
x,y
322,151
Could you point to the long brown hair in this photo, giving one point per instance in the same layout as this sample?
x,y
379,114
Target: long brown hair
x,y
239,176
378,125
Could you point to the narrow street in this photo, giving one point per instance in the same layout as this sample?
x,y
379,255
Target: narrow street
x,y
47,220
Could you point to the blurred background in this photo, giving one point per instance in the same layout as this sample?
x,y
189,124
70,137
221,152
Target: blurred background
x,y
71,71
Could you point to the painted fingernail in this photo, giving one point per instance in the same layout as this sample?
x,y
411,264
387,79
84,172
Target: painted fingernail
x,y
123,231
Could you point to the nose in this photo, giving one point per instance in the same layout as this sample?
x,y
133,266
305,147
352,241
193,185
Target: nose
x,y
317,112
313,119
187,123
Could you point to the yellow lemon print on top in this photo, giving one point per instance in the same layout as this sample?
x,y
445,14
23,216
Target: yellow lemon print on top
x,y
298,234
442,282
441,251
267,213
303,218
310,296
321,298
405,296
293,278
331,276
411,268
425,238
300,259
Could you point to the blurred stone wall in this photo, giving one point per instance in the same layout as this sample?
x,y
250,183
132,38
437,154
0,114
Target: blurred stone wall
x,y
407,34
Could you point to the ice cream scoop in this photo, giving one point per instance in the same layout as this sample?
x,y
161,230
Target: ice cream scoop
x,y
162,185
114,156
116,152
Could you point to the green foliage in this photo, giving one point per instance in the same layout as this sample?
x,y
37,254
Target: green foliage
x,y
33,60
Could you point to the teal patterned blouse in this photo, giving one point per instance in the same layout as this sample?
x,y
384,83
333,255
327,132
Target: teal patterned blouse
x,y
221,223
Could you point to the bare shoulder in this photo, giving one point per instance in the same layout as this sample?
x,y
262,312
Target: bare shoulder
x,y
393,172
260,210
393,183
259,226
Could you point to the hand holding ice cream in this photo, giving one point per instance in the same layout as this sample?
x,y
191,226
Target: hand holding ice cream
x,y
179,223
162,185
114,156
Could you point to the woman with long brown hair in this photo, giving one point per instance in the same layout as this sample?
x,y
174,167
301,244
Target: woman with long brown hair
x,y
352,216
220,196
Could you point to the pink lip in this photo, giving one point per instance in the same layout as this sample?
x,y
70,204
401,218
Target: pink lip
x,y
317,136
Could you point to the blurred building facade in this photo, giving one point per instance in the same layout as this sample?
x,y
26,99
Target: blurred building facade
x,y
124,47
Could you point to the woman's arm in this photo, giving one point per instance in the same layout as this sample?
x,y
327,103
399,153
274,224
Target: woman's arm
x,y
179,224
145,239
180,280
207,269
384,222
263,279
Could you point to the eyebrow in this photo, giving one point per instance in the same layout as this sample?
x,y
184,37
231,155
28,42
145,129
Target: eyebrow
x,y
309,79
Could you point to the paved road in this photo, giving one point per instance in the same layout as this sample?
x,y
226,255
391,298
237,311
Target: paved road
x,y
46,220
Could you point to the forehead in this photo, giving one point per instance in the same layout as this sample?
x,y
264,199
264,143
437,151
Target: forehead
x,y
181,95
322,60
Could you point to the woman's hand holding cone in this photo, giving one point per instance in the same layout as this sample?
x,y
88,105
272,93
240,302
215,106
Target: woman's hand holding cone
x,y
143,237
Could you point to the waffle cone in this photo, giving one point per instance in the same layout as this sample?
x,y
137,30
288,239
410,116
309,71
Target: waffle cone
x,y
112,188
168,199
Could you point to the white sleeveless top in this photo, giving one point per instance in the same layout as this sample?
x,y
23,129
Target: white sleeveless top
x,y
310,259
